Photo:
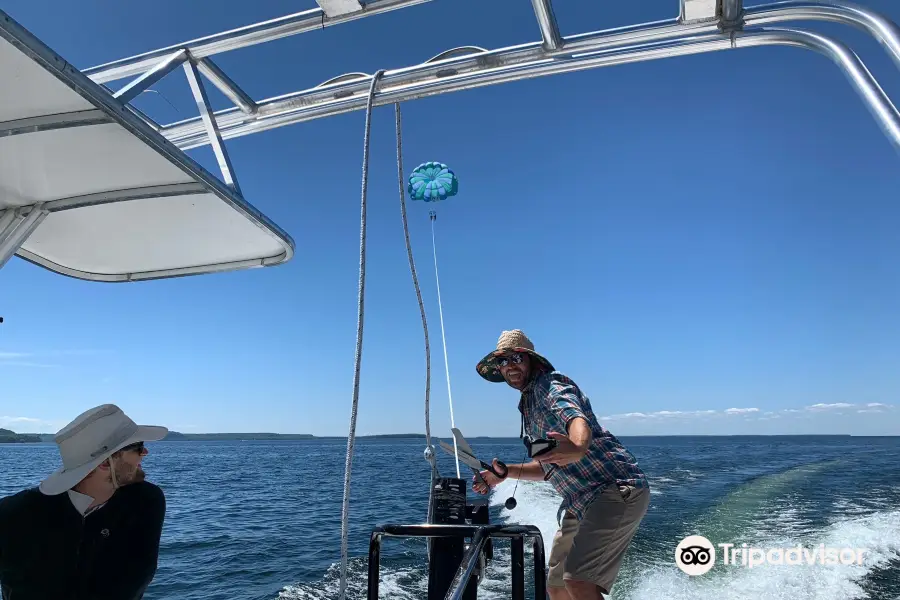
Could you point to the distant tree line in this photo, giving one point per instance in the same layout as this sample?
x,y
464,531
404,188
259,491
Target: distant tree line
x,y
11,437
176,436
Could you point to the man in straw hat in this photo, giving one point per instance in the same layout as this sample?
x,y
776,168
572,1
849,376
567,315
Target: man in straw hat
x,y
91,529
605,494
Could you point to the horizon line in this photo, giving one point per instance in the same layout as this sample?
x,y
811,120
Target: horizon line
x,y
422,435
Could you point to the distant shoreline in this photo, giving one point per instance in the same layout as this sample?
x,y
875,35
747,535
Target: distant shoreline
x,y
176,436
9,437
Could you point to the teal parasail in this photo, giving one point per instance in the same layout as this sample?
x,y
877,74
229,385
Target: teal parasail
x,y
432,181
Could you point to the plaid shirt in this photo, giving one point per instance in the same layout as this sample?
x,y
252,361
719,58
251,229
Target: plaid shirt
x,y
549,403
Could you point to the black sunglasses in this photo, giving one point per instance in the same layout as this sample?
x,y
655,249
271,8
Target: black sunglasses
x,y
137,446
514,357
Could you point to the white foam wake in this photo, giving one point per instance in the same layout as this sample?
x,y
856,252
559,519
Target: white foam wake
x,y
653,575
877,532
537,504
397,583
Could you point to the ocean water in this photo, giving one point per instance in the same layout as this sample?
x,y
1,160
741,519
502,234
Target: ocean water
x,y
261,520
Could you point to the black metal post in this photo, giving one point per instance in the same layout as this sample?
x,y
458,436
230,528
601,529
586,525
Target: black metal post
x,y
540,569
374,565
478,513
448,508
517,549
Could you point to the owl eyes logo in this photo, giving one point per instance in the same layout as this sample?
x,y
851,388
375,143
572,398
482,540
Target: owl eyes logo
x,y
695,555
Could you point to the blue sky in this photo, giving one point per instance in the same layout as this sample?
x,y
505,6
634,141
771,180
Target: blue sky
x,y
705,244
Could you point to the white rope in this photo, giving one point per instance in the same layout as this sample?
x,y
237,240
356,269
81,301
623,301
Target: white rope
x,y
444,339
359,337
429,449
412,269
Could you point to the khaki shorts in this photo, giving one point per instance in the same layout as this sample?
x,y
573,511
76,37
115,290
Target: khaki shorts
x,y
592,550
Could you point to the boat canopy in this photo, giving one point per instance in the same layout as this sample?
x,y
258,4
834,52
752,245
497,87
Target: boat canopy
x,y
89,188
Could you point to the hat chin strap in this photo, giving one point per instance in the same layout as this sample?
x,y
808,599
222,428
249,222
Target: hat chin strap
x,y
112,473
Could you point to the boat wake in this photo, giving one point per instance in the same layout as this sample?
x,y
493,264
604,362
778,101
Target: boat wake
x,y
537,504
649,571
878,532
402,583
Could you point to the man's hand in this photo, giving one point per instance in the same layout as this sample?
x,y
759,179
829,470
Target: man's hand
x,y
492,480
569,448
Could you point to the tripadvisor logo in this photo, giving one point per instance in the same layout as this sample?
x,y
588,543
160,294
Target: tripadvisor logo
x,y
696,555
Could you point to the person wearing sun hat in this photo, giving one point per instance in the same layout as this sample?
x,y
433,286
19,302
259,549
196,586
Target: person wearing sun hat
x,y
92,528
605,494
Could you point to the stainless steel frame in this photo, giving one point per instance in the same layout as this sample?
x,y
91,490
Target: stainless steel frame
x,y
19,225
702,26
133,89
80,118
543,11
258,33
209,121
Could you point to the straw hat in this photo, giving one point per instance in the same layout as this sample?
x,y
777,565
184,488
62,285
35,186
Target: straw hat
x,y
510,341
91,438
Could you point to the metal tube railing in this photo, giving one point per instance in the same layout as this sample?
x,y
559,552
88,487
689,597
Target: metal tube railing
x,y
878,26
150,77
229,88
181,132
212,130
9,220
242,37
374,564
629,44
467,566
480,535
280,112
18,230
427,530
543,11
731,10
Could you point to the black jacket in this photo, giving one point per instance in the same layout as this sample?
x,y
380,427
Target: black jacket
x,y
49,551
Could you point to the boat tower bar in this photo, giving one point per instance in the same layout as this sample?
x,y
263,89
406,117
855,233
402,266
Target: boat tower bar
x,y
701,26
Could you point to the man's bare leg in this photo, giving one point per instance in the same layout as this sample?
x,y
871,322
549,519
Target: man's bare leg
x,y
558,593
583,590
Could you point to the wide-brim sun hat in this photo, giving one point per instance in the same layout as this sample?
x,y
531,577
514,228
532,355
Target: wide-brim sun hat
x,y
91,438
510,341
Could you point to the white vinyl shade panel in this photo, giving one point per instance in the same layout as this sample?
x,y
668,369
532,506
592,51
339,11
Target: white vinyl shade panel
x,y
123,203
135,226
49,165
29,91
